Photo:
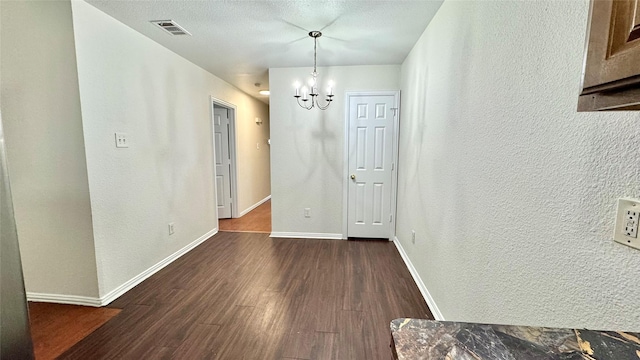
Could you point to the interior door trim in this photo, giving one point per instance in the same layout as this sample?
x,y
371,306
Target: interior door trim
x,y
345,157
233,136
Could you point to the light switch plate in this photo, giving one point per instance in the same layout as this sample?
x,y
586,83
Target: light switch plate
x,y
122,140
626,229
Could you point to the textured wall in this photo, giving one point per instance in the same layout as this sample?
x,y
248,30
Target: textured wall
x,y
307,146
512,193
45,147
253,164
129,83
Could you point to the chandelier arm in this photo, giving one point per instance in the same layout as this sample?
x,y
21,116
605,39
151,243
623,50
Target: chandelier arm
x,y
302,106
325,107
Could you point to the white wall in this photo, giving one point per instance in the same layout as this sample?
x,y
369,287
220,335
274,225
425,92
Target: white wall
x,y
512,193
128,83
307,146
253,164
47,164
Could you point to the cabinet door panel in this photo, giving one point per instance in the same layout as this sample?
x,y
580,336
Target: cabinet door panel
x,y
613,47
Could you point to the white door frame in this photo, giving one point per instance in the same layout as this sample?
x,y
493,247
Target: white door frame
x,y
233,146
394,170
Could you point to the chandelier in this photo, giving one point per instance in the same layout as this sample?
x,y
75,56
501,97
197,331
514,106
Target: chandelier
x,y
313,83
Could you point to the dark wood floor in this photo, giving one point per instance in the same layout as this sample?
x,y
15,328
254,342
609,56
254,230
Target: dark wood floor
x,y
57,327
256,220
247,296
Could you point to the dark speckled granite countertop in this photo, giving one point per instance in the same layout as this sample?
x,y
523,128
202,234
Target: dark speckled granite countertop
x,y
428,339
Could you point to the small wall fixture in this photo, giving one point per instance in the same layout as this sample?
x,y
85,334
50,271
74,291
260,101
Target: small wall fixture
x,y
265,92
258,121
313,83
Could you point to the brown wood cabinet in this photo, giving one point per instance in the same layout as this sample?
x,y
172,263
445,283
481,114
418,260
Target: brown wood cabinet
x,y
611,73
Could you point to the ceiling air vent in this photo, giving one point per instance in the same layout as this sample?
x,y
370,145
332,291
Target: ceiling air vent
x,y
171,27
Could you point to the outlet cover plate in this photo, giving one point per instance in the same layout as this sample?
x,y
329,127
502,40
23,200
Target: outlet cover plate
x,y
626,219
122,140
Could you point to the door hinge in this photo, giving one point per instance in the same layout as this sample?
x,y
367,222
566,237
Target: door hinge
x,y
393,166
395,111
390,217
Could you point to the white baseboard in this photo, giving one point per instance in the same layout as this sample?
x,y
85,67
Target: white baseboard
x,y
105,300
300,235
423,289
64,299
245,211
117,292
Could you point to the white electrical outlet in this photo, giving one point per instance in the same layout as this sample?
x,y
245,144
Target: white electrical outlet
x,y
631,226
307,212
626,229
171,229
121,140
413,236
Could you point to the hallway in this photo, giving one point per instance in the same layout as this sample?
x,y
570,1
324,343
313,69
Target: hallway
x,y
257,220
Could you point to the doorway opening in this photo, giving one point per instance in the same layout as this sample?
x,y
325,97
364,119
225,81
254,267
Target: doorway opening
x,y
257,220
231,215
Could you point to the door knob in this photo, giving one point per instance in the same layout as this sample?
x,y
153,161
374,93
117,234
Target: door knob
x,y
353,177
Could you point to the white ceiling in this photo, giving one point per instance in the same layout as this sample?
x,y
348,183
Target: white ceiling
x,y
239,40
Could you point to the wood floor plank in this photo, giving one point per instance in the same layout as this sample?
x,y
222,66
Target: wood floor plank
x,y
351,338
248,296
325,346
200,344
299,343
154,352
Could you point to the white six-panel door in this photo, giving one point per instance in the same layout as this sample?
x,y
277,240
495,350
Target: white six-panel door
x,y
370,157
223,161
